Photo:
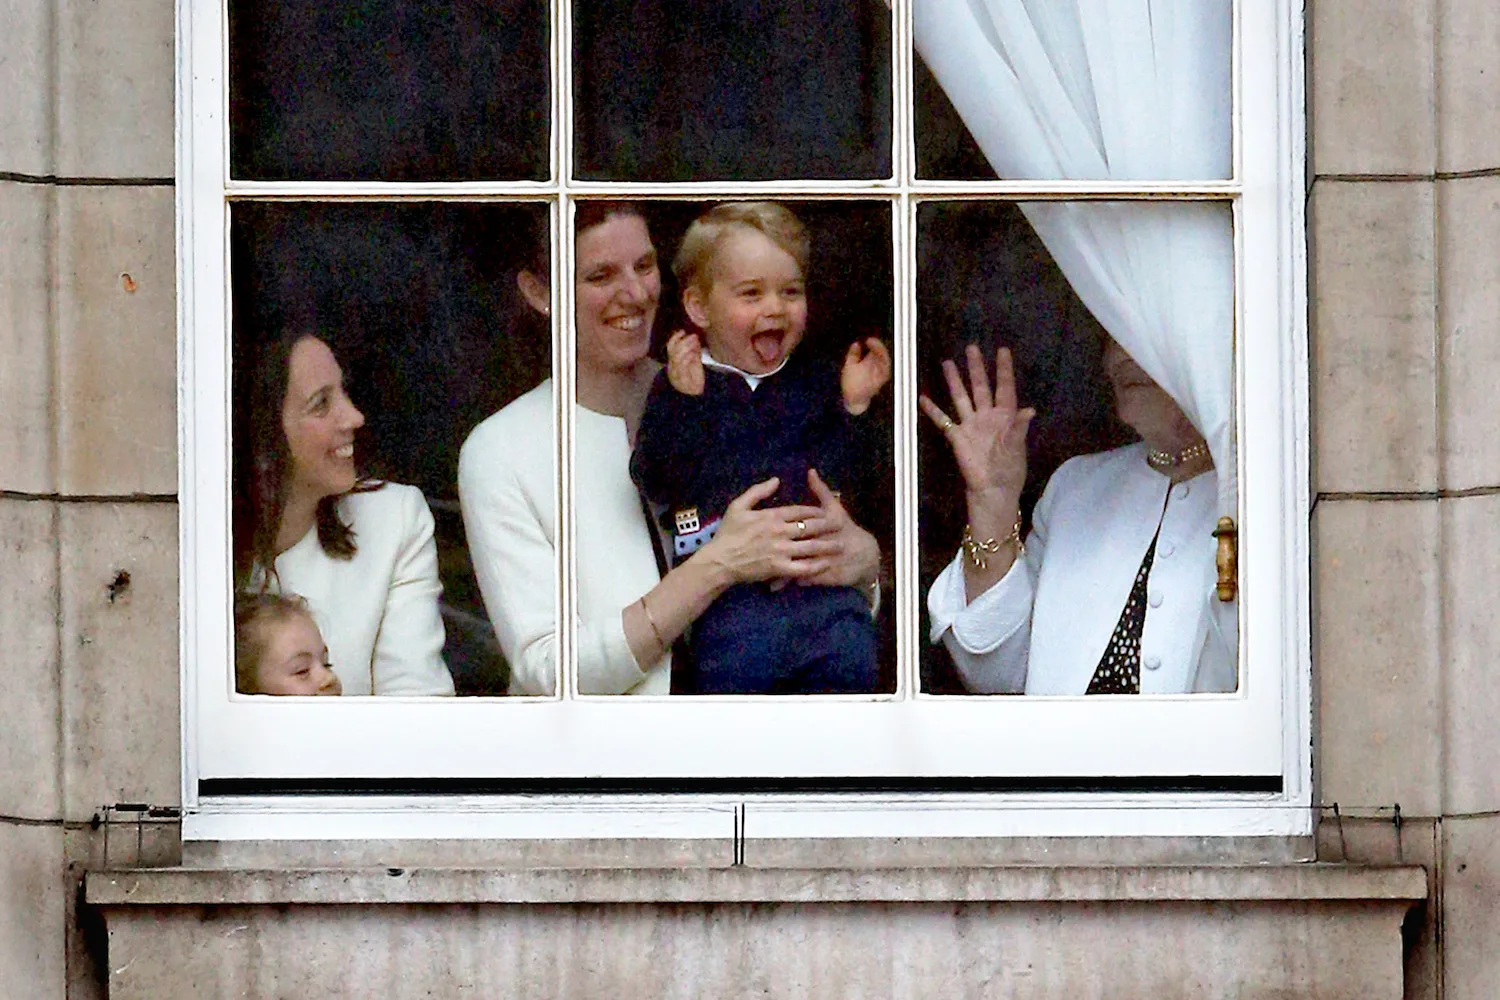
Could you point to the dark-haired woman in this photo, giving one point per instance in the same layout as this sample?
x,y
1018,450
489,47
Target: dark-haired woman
x,y
629,612
360,552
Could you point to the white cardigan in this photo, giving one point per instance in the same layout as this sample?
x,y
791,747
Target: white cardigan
x,y
506,485
1044,626
378,611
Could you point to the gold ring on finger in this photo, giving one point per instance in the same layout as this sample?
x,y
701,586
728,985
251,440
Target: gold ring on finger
x,y
801,528
947,424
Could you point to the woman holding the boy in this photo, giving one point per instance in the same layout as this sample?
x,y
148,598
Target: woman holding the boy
x,y
630,607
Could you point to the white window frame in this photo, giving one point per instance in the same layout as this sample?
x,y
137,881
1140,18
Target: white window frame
x,y
907,737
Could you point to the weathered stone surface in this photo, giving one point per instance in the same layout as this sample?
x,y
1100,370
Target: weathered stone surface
x,y
1469,340
513,854
26,82
902,852
1471,914
115,85
1375,654
26,464
1468,79
1372,87
1028,932
32,910
1471,623
119,653
1386,839
117,341
30,737
1374,362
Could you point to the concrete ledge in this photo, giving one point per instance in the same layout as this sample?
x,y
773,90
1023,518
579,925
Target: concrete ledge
x,y
1192,932
399,886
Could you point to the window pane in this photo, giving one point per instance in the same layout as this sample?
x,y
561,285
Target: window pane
x,y
701,445
418,306
1119,317
732,90
1073,91
381,90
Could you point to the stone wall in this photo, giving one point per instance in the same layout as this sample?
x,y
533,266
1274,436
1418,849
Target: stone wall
x,y
1404,107
1404,185
88,471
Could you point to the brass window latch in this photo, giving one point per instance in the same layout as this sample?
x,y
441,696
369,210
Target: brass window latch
x,y
1227,558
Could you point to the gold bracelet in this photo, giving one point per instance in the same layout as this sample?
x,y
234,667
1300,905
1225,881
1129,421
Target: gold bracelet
x,y
660,642
980,551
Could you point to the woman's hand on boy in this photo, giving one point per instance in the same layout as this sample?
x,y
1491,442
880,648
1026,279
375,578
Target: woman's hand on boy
x,y
867,369
685,363
857,560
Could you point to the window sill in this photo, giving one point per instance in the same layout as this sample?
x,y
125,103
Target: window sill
x,y
1015,884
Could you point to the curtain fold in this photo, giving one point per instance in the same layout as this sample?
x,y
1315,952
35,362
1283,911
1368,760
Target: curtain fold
x,y
1115,90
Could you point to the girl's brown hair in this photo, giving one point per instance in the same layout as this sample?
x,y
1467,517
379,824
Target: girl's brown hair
x,y
253,614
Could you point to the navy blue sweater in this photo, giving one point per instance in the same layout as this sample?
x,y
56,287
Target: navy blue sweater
x,y
703,451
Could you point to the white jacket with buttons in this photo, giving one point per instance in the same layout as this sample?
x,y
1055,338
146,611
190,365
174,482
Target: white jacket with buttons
x,y
1043,627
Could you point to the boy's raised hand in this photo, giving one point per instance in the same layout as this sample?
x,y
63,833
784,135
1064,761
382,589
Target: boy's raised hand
x,y
685,363
867,368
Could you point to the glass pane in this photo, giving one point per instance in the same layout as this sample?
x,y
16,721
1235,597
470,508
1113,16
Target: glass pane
x,y
731,90
418,307
756,390
385,90
1104,446
1073,91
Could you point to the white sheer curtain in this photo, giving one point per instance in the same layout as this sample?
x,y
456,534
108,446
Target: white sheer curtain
x,y
1115,90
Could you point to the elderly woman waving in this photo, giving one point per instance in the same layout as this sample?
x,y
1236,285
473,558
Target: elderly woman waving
x,y
1110,592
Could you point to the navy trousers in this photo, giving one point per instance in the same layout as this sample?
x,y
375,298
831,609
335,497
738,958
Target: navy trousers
x,y
796,640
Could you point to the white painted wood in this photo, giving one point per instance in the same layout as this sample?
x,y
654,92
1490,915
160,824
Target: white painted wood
x,y
1262,730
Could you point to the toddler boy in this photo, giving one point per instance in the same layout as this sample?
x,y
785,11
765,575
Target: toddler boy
x,y
737,408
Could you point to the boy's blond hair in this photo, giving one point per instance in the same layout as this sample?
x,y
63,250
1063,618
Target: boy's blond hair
x,y
253,615
701,241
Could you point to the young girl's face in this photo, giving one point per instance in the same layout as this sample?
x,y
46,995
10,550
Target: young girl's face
x,y
294,660
754,311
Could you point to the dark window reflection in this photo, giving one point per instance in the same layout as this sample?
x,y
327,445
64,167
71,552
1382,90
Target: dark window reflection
x,y
983,277
388,90
419,305
735,89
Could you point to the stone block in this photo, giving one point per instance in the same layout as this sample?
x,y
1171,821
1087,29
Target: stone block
x,y
1304,931
117,341
1375,654
121,731
26,464
32,910
87,953
1372,87
1382,840
1468,80
1471,626
30,738
1468,223
1471,908
115,88
1374,315
26,82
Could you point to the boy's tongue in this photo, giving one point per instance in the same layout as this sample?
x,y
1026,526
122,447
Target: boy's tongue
x,y
767,346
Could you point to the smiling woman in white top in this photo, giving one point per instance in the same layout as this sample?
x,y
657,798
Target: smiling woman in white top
x,y
629,613
358,551
1113,590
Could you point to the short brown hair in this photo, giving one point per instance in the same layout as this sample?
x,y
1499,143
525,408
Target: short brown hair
x,y
776,222
253,614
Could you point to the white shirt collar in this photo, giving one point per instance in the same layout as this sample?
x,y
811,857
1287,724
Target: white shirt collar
x,y
753,381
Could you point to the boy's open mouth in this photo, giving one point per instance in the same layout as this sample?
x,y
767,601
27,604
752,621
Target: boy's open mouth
x,y
767,345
